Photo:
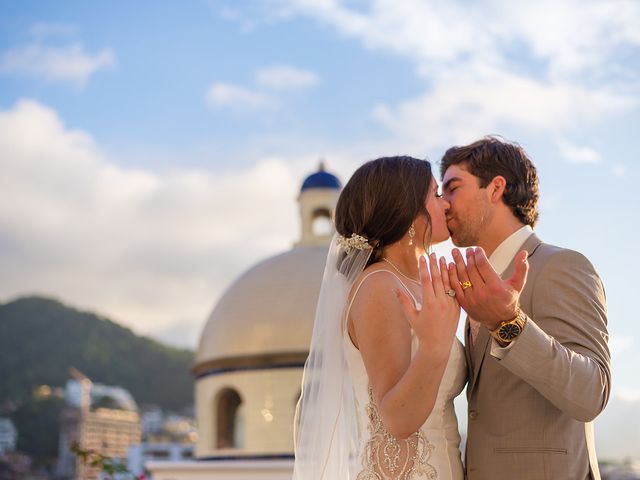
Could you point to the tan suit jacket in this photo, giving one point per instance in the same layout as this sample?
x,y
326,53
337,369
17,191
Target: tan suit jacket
x,y
530,413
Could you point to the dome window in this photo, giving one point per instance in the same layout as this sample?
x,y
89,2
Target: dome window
x,y
229,419
321,224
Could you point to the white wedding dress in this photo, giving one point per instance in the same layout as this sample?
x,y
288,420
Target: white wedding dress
x,y
433,452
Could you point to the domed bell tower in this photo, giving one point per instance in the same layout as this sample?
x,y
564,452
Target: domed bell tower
x,y
318,198
249,363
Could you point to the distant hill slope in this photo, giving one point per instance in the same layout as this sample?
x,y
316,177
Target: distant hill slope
x,y
41,338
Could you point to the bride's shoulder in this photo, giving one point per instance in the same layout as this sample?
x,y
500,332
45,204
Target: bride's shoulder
x,y
376,280
377,274
373,297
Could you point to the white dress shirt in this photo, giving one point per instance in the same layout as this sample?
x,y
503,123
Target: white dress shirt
x,y
500,260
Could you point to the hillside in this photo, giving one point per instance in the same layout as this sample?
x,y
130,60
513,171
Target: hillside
x,y
41,338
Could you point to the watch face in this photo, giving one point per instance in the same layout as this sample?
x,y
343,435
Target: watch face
x,y
509,331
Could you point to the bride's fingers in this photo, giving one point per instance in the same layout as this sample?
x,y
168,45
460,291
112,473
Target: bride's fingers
x,y
455,284
426,280
436,275
444,273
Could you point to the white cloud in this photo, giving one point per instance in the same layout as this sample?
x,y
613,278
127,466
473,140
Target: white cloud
x,y
629,394
578,154
618,344
476,59
619,170
577,34
616,429
235,97
462,108
69,63
150,249
283,77
43,30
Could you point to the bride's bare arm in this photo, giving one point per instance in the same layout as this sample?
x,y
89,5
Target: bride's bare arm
x,y
404,388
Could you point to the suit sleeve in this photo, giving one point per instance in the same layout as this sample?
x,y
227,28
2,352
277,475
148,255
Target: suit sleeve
x,y
563,351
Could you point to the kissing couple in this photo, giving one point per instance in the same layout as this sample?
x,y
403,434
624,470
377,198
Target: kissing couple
x,y
385,365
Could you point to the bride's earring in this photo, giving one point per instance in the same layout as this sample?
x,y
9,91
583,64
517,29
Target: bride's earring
x,y
412,233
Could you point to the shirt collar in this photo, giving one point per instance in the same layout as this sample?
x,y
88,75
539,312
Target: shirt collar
x,y
504,253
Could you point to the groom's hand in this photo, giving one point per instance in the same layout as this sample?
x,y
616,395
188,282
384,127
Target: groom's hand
x,y
481,292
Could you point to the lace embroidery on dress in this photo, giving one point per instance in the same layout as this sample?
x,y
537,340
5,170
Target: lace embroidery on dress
x,y
387,458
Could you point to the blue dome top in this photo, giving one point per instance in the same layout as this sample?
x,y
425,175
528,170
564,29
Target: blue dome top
x,y
321,179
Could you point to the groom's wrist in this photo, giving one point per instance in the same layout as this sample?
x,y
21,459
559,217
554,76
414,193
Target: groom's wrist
x,y
508,331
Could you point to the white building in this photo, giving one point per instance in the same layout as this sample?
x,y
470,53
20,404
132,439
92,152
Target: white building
x,y
8,436
252,351
107,431
74,391
152,421
98,418
139,455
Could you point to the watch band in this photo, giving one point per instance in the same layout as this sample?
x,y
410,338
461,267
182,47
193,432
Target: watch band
x,y
509,330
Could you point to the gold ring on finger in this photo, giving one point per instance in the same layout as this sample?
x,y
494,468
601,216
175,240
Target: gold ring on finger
x,y
465,284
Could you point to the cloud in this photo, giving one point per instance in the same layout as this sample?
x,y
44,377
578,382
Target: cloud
x,y
235,97
43,30
279,78
461,108
619,344
616,429
68,64
578,154
152,250
490,76
286,78
578,34
619,170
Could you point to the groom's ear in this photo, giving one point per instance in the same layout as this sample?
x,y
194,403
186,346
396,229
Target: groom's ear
x,y
496,188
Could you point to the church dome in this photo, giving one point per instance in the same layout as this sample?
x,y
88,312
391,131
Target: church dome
x,y
268,311
252,350
321,179
265,318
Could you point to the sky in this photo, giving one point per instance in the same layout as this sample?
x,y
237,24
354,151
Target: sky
x,y
152,151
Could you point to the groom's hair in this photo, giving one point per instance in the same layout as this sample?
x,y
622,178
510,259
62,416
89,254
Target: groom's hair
x,y
382,199
492,156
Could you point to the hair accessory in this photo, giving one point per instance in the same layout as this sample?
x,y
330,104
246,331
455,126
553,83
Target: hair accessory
x,y
355,242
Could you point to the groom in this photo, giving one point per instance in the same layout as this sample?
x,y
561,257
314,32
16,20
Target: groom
x,y
536,342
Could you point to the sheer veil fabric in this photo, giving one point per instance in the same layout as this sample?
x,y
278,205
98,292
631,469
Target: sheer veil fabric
x,y
326,435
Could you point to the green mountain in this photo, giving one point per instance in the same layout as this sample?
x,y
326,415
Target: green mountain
x,y
40,339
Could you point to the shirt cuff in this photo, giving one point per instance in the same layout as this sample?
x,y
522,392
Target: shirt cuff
x,y
499,352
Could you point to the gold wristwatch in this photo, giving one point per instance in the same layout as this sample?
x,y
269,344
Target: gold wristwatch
x,y
509,330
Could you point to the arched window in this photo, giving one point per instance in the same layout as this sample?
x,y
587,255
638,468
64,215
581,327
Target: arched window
x,y
321,224
229,432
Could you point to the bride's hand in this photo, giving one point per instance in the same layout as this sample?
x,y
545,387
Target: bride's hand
x,y
436,321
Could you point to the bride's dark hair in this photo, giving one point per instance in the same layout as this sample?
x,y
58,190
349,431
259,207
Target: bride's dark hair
x,y
381,200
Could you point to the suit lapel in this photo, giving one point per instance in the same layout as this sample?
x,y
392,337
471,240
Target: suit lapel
x,y
467,351
481,345
530,245
477,353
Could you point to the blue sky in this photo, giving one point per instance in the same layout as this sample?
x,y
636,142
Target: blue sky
x,y
152,151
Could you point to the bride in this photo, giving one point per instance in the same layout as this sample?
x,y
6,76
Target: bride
x,y
384,364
